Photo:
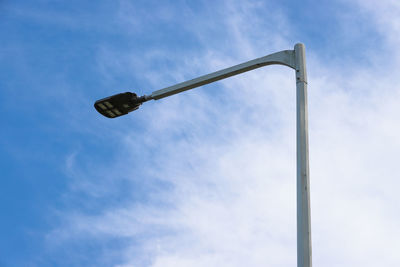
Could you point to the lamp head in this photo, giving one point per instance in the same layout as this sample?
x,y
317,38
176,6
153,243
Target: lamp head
x,y
119,104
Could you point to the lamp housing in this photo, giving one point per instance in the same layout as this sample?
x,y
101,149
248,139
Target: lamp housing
x,y
119,104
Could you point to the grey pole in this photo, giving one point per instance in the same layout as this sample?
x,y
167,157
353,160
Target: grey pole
x,y
294,59
303,182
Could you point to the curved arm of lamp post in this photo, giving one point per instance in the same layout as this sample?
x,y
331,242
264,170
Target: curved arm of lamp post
x,y
121,104
286,58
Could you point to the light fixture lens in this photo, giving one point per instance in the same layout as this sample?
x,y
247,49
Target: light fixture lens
x,y
108,104
102,106
116,111
112,115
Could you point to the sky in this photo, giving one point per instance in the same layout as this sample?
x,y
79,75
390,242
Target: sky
x,y
206,177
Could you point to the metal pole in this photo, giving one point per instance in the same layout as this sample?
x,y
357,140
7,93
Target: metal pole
x,y
303,182
294,59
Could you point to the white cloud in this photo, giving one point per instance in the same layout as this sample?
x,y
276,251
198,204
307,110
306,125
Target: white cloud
x,y
229,162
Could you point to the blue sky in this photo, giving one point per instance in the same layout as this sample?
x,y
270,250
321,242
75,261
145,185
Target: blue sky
x,y
207,177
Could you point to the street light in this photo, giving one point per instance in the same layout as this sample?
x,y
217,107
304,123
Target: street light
x,y
121,104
